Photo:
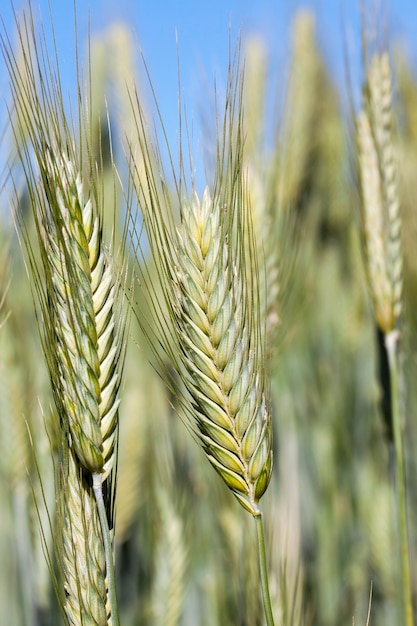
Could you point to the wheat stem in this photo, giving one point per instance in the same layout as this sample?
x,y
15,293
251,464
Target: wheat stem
x,y
391,342
263,570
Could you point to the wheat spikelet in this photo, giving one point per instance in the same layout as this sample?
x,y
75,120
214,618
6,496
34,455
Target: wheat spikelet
x,y
380,203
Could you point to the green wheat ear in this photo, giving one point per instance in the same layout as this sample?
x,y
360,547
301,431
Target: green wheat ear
x,y
85,354
83,300
381,219
380,206
214,327
208,270
78,285
206,314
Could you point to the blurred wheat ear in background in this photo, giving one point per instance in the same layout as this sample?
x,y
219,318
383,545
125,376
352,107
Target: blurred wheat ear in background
x,y
78,291
381,235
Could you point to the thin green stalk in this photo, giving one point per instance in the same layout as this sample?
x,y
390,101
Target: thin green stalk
x,y
263,570
391,342
107,542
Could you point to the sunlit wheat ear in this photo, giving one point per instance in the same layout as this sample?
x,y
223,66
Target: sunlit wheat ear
x,y
380,203
80,298
209,279
86,331
83,555
218,351
78,292
300,116
84,304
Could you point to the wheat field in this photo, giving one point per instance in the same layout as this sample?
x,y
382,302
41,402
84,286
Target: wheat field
x,y
208,401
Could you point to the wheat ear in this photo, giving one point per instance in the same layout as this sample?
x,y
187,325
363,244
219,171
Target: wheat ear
x,y
79,293
209,275
84,301
218,351
274,222
170,563
381,219
380,204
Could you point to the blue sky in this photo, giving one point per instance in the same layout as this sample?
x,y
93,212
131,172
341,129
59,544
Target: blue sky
x,y
203,26
203,33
